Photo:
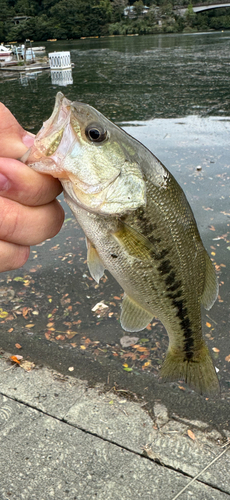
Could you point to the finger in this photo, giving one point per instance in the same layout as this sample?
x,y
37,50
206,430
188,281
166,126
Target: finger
x,y
22,184
12,256
29,225
14,140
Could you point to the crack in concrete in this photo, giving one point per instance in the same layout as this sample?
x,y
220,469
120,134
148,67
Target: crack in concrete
x,y
142,455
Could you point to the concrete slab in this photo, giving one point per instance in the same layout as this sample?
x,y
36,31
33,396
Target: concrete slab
x,y
43,458
88,419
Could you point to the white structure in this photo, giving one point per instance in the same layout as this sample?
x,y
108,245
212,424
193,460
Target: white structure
x,y
59,60
130,11
62,77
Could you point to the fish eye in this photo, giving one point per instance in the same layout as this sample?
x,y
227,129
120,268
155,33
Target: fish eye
x,y
95,133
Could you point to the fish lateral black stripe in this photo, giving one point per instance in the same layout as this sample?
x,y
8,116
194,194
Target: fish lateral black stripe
x,y
175,295
161,255
185,323
165,267
147,227
182,313
170,278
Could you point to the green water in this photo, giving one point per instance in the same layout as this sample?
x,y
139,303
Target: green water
x,y
172,93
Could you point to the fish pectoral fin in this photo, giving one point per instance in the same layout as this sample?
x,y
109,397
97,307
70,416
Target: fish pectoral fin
x,y
198,372
95,264
133,317
211,286
133,242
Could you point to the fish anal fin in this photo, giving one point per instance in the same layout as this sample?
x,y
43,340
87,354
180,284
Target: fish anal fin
x,y
211,284
133,317
95,264
198,372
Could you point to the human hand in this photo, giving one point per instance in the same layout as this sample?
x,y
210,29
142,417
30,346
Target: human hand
x,y
29,211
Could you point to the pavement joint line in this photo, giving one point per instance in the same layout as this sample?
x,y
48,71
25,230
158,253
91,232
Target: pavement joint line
x,y
156,461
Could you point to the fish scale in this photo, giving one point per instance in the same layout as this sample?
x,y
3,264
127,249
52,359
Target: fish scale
x,y
139,226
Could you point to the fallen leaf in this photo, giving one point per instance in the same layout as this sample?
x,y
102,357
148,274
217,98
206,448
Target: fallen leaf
x,y
99,307
126,355
71,368
215,349
25,311
146,365
18,346
208,325
48,335
3,314
30,325
140,348
70,334
127,341
191,435
227,358
27,365
144,356
16,359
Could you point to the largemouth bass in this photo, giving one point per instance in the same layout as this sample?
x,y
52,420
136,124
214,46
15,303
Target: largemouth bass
x,y
139,226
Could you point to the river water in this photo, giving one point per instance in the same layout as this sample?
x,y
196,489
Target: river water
x,y
171,92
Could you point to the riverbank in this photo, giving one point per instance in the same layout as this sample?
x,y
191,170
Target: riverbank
x,y
63,21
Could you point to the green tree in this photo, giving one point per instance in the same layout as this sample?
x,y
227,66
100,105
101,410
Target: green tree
x,y
118,7
138,7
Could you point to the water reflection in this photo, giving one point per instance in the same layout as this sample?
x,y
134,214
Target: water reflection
x,y
183,82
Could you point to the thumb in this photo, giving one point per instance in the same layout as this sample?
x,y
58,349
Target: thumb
x,y
14,140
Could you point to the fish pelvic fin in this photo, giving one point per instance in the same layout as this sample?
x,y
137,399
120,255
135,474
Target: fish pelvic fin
x,y
211,286
198,372
95,264
133,317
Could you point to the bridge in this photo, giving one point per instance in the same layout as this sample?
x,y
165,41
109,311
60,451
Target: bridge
x,y
201,8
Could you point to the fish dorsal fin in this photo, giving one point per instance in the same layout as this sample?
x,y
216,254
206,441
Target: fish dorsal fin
x,y
134,243
211,286
133,317
95,264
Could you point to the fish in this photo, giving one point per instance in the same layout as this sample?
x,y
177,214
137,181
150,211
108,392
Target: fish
x,y
139,226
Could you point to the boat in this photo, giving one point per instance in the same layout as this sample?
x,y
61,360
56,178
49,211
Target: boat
x,y
39,49
5,51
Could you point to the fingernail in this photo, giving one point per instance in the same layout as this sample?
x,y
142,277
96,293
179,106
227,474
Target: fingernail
x,y
5,184
28,140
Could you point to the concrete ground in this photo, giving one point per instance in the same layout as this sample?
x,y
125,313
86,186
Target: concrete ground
x,y
61,439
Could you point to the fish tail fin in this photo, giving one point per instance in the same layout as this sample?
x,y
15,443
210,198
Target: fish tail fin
x,y
198,372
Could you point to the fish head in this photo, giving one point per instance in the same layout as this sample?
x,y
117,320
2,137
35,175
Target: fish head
x,y
96,162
